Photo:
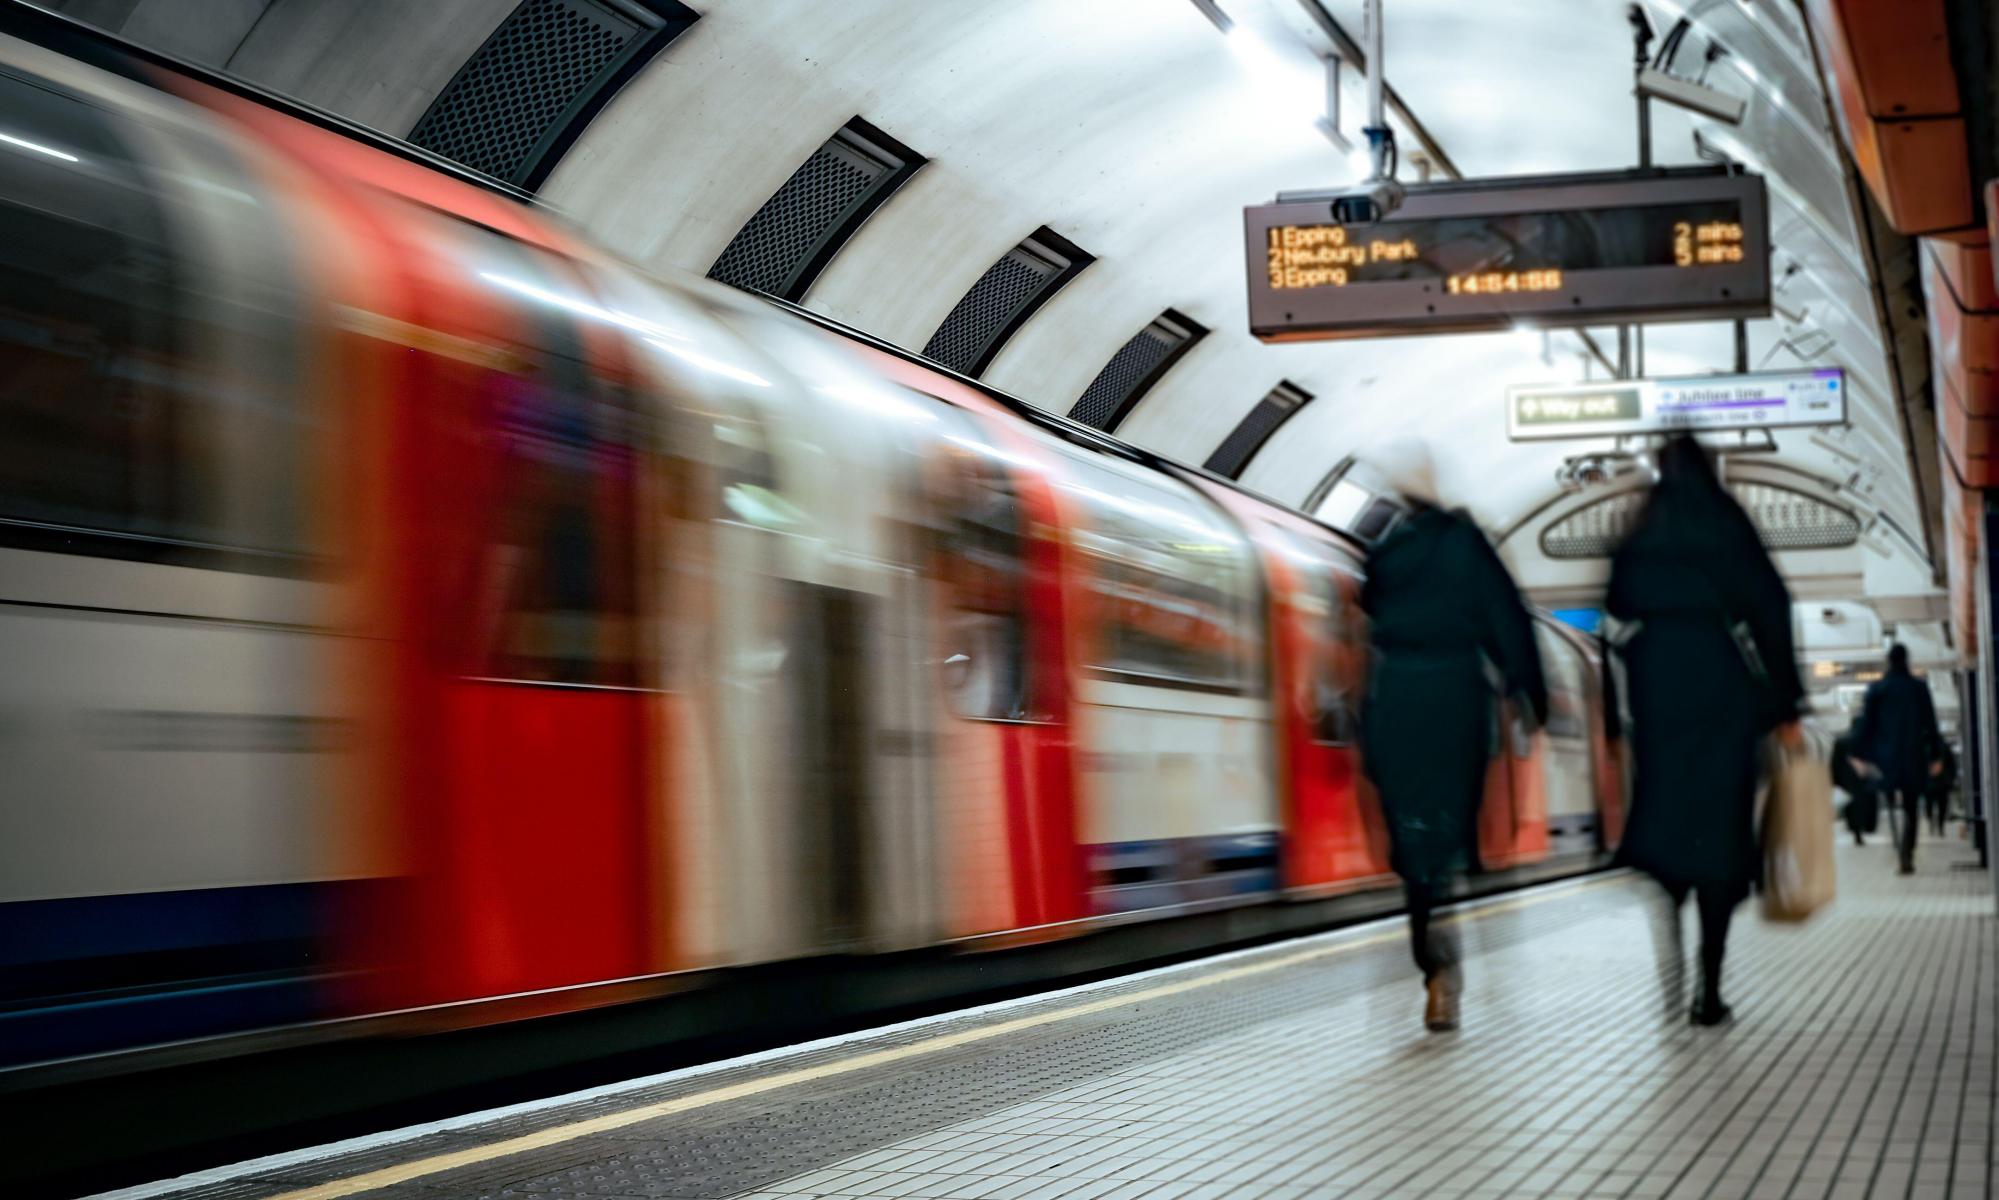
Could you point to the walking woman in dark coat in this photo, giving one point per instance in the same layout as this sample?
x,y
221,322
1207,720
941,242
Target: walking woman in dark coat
x,y
1705,625
1441,607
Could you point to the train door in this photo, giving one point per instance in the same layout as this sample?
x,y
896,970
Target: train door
x,y
1333,835
528,696
989,820
1571,761
745,823
1179,802
1513,815
853,448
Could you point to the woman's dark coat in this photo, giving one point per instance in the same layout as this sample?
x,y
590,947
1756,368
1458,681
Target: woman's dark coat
x,y
1441,607
1695,579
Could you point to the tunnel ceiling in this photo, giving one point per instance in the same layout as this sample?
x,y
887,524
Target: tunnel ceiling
x,y
1134,131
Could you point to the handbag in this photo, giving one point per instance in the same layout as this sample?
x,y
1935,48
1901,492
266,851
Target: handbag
x,y
1797,838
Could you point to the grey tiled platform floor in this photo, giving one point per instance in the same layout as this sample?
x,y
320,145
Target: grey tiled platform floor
x,y
1862,1063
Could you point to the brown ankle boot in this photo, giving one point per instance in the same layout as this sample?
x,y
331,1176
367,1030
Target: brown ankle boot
x,y
1440,1012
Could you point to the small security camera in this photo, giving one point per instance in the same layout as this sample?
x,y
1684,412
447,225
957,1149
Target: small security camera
x,y
1697,97
1376,199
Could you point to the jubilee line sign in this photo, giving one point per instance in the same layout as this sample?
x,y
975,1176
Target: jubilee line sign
x,y
1691,403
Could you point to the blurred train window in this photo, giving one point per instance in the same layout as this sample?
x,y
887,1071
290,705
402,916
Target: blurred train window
x,y
1175,584
1325,598
1340,666
147,372
1568,697
984,552
560,556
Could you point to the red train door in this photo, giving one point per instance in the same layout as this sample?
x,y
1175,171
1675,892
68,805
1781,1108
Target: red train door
x,y
528,704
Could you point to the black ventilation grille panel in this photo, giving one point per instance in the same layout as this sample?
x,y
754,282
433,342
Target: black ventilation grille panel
x,y
522,98
783,247
1002,301
1131,372
1270,412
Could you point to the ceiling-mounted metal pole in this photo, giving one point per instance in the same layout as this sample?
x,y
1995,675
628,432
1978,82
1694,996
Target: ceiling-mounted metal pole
x,y
1641,44
1377,71
1376,68
1742,347
1346,47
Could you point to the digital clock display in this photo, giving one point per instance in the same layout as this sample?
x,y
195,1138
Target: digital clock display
x,y
1658,245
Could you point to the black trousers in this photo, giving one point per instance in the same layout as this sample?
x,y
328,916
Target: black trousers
x,y
1436,949
1910,802
1717,909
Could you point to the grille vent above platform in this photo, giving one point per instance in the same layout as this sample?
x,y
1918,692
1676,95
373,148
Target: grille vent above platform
x,y
522,98
1002,300
788,242
1784,519
1137,365
1270,412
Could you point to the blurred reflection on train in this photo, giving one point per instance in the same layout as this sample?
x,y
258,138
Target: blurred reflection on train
x,y
404,604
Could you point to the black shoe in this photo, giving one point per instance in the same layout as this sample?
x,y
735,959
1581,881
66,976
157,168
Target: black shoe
x,y
1712,1012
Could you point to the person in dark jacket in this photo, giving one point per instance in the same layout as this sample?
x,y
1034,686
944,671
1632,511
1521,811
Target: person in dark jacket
x,y
1441,607
1898,735
1704,625
1943,785
1856,779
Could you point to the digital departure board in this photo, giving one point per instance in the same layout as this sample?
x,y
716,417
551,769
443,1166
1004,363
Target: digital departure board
x,y
1694,403
1659,245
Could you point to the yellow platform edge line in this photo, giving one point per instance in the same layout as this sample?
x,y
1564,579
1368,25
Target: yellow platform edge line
x,y
436,1164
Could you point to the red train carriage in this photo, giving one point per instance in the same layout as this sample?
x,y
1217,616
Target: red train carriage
x,y
429,612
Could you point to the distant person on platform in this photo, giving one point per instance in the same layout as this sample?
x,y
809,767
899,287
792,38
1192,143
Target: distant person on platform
x,y
1442,608
1943,785
1898,735
1703,624
1856,779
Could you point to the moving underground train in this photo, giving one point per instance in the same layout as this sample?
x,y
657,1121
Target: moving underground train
x,y
405,605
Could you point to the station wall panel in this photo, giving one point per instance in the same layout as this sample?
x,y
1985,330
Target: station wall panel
x,y
1894,87
1964,332
1969,440
1961,558
1967,266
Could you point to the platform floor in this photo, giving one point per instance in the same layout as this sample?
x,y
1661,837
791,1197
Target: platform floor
x,y
1861,1063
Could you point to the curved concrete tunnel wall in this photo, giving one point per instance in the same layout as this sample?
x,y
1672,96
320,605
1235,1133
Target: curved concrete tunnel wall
x,y
1138,140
